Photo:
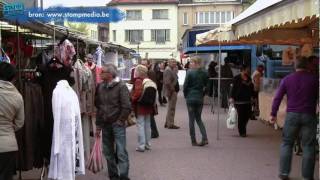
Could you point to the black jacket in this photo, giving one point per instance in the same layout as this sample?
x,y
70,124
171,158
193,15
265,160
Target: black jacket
x,y
112,102
242,91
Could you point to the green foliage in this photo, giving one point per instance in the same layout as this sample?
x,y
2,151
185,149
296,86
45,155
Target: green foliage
x,y
247,3
81,27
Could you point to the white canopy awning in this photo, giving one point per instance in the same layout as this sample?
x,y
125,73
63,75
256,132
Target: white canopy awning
x,y
270,21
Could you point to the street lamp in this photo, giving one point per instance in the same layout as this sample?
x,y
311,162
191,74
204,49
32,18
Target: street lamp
x,y
138,43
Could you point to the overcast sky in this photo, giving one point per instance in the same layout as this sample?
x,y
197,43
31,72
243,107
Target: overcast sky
x,y
70,3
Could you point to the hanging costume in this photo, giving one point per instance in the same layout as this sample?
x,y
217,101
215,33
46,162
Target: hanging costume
x,y
67,157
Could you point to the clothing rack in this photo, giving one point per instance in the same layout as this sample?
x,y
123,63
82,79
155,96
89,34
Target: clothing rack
x,y
28,70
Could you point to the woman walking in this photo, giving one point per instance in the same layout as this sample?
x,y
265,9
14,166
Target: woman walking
x,y
193,89
241,95
143,112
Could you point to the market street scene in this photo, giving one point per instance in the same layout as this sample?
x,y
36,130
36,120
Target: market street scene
x,y
159,90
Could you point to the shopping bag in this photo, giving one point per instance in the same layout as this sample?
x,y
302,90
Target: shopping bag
x,y
95,162
232,118
131,120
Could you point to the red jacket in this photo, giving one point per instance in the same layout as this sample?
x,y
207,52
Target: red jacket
x,y
135,95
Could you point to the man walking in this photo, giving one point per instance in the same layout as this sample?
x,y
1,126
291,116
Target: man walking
x,y
301,88
170,80
113,108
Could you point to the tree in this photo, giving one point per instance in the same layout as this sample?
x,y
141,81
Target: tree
x,y
247,3
81,27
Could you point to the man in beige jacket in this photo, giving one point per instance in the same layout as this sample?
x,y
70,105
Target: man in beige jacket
x,y
170,80
11,119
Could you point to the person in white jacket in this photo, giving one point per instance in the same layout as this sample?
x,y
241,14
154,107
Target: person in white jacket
x,y
11,119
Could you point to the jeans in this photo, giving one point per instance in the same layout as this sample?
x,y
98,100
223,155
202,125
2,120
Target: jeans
x,y
304,125
114,147
144,131
194,111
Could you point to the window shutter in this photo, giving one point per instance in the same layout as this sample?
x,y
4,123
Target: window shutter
x,y
167,34
153,35
127,35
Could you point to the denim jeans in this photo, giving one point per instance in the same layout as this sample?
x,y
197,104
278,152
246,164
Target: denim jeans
x,y
114,147
194,111
297,124
144,131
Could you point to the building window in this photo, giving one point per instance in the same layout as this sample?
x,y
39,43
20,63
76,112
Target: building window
x,y
223,17
212,14
212,17
114,35
185,18
94,34
133,15
206,17
160,36
229,16
160,14
217,17
134,36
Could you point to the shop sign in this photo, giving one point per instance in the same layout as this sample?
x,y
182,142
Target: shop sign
x,y
16,11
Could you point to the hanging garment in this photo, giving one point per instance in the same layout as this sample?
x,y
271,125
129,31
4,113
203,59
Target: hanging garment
x,y
99,56
48,81
65,52
83,86
28,137
67,156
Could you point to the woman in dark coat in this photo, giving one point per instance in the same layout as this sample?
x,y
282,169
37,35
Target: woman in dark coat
x,y
241,96
193,89
158,69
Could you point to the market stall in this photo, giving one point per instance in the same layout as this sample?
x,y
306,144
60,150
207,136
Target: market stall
x,y
282,22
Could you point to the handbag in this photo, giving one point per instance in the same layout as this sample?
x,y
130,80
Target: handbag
x,y
232,118
95,162
131,120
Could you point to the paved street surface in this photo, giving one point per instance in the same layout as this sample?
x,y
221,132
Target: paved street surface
x,y
231,158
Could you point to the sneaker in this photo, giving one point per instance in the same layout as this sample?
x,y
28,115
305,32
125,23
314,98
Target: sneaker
x,y
139,150
284,177
148,147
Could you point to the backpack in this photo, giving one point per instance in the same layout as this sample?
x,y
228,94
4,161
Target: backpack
x,y
149,93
